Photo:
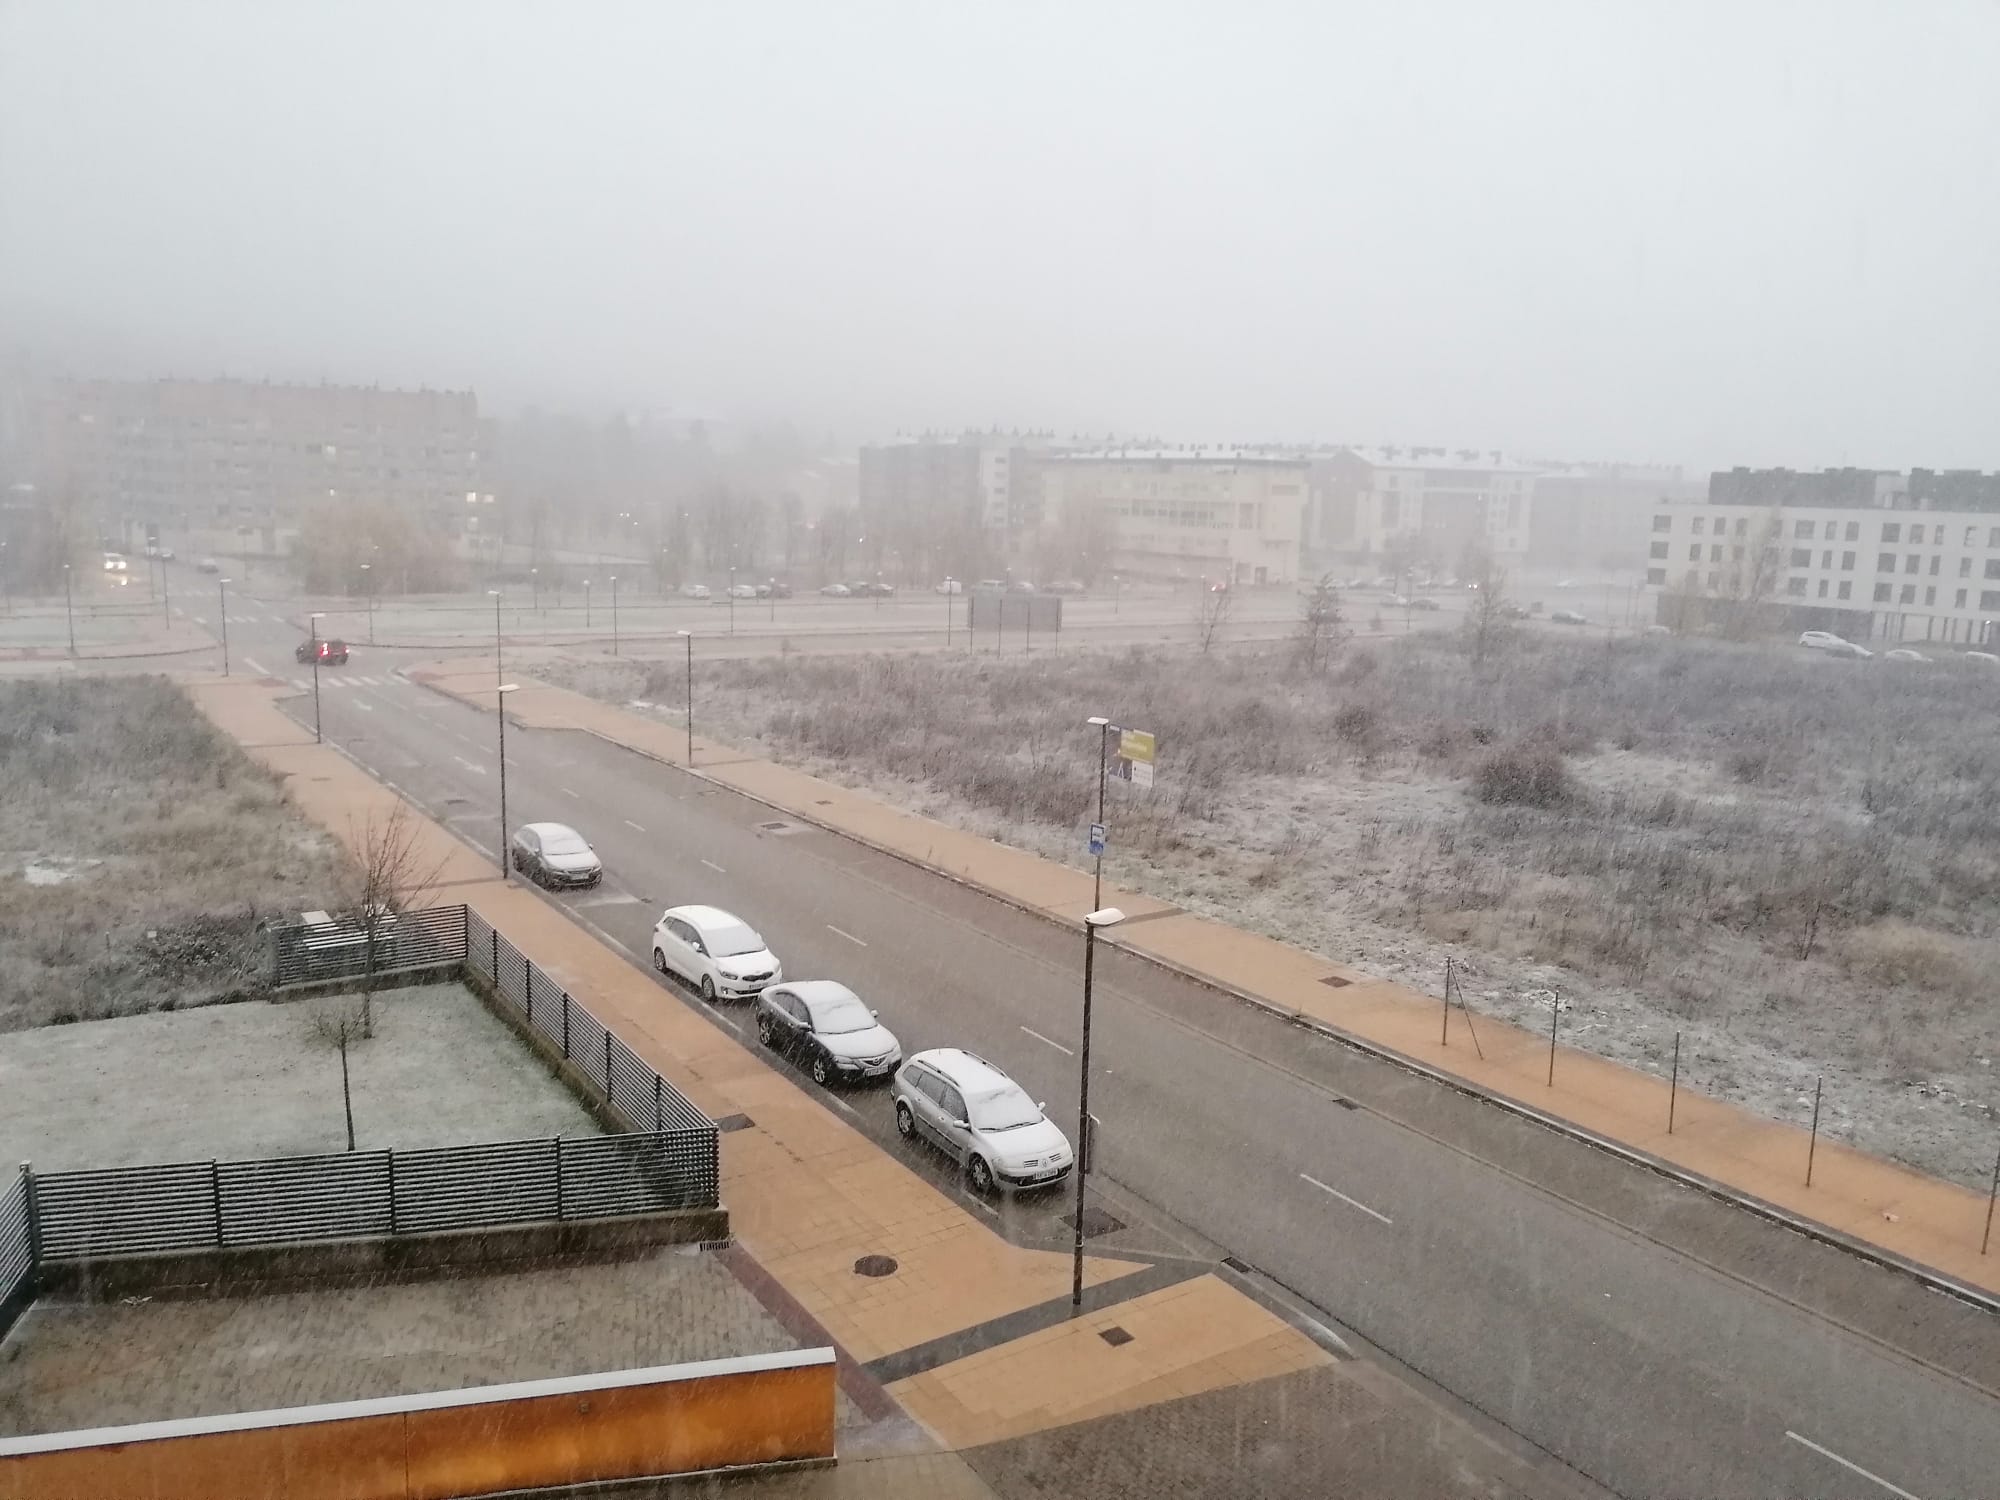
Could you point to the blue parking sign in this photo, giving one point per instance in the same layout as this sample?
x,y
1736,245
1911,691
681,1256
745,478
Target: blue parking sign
x,y
1096,838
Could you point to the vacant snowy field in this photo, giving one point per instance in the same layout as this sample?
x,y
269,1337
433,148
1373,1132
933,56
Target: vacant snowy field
x,y
1794,862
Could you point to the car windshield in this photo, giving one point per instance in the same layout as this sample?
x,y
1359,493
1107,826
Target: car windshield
x,y
564,843
729,941
839,1015
1004,1109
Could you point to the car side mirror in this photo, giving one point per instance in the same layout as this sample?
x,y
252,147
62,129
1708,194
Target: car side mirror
x,y
961,1124
875,1013
1042,1105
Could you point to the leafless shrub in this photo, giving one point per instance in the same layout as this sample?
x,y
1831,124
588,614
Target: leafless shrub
x,y
1525,775
1899,953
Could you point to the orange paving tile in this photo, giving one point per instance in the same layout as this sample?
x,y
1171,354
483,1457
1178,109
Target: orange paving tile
x,y
1905,1213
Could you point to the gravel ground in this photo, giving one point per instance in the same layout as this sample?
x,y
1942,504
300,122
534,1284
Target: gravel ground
x,y
253,1080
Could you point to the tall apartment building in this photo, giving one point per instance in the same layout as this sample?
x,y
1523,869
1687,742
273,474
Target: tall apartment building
x,y
1596,515
1868,554
986,481
1185,514
205,453
1369,501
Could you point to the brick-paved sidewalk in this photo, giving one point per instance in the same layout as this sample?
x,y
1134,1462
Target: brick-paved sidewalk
x,y
1901,1212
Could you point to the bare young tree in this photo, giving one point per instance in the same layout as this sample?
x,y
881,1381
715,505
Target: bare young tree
x,y
1489,622
390,874
1750,580
1212,608
1321,628
340,1026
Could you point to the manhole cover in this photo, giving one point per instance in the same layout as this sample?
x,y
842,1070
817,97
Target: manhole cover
x,y
824,802
733,1122
1347,1104
875,1265
1336,982
456,801
1095,1221
1235,1264
1114,1335
778,826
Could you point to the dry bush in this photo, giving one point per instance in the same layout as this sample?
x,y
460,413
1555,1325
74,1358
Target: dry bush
x,y
176,846
1525,775
1899,953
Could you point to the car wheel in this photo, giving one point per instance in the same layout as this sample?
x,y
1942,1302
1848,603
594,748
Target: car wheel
x,y
981,1175
708,988
765,1033
659,960
906,1123
822,1070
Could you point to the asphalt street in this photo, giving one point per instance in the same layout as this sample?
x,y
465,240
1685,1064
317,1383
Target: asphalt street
x,y
1656,1342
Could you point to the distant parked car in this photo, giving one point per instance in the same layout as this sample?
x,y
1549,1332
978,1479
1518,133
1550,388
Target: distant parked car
x,y
826,1027
948,586
1821,640
876,589
835,590
742,591
554,854
209,565
1987,657
1566,617
1849,649
1903,653
1020,586
1402,601
774,590
1064,586
1514,611
1657,630
716,953
1423,604
1565,583
330,653
694,591
990,586
982,1119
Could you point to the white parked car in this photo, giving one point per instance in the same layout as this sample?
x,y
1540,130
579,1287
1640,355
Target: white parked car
x,y
1822,640
715,952
825,1026
1985,657
743,591
950,586
1903,653
1566,617
981,1119
694,591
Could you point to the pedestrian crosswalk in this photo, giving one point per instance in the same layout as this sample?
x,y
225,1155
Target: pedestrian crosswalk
x,y
333,679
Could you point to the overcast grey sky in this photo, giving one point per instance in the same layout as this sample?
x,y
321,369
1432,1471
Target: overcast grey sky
x,y
1744,232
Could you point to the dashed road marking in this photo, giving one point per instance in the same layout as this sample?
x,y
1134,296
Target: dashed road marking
x,y
1350,1202
715,867
1846,1464
1048,1041
633,826
859,943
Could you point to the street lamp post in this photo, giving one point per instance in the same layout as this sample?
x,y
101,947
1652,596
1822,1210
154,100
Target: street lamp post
x,y
949,584
312,622
614,614
69,610
1104,728
688,636
496,633
368,589
222,614
586,604
732,601
1109,916
500,712
166,595
535,582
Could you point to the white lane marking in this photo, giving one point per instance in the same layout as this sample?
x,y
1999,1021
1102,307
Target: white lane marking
x,y
364,705
254,665
1350,1202
1048,1041
567,792
477,770
1845,1464
715,867
630,824
848,935
299,683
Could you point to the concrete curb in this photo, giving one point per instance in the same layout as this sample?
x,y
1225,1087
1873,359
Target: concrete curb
x,y
1723,1192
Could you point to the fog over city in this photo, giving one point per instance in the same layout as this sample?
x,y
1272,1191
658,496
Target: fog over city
x,y
1703,234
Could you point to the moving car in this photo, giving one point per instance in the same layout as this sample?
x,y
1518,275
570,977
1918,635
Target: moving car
x,y
1566,617
825,1026
209,565
114,562
1903,653
835,590
715,952
554,854
981,1119
330,653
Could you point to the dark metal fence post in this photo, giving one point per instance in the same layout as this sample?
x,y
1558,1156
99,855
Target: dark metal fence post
x,y
660,1124
561,1209
391,1154
1812,1146
464,931
1674,1088
494,933
1555,1014
1444,1034
607,1065
1991,1193
215,1197
35,1217
528,985
565,1023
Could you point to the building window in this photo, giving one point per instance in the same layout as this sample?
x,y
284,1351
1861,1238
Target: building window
x,y
1801,557
1989,598
1845,591
1909,594
1971,532
1246,517
1802,530
1882,593
1742,525
1930,596
1694,553
1656,577
1936,563
1715,552
1958,600
1892,531
1657,550
1993,537
1912,563
1714,582
1937,535
1993,567
1736,554
1853,532
1700,522
1826,560
1822,588
1666,523
1965,567
1796,586
1885,562
1847,562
